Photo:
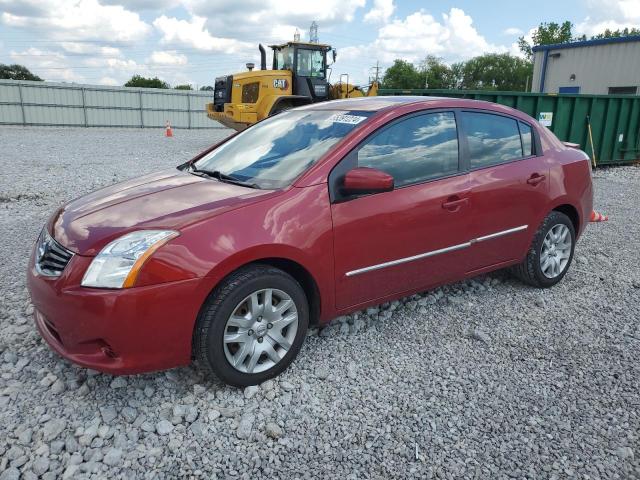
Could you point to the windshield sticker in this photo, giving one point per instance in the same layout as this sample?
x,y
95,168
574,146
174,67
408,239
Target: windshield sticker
x,y
350,119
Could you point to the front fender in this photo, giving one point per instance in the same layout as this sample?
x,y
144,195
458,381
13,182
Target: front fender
x,y
294,225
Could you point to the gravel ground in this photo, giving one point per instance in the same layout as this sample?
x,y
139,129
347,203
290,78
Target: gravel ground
x,y
481,379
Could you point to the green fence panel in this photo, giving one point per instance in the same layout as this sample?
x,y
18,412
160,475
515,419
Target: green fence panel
x,y
614,119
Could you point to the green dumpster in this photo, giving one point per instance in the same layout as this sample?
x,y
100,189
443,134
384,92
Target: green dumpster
x,y
615,119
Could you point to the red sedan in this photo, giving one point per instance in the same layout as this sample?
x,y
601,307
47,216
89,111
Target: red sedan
x,y
313,213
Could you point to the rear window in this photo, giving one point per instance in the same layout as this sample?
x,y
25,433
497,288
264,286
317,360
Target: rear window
x,y
492,139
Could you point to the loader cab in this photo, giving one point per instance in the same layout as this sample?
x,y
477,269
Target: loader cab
x,y
308,64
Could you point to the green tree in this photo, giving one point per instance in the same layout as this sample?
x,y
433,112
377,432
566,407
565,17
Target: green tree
x,y
495,72
140,81
402,74
436,73
547,34
608,33
183,87
207,88
17,72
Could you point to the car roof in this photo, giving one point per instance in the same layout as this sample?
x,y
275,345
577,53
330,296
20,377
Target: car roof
x,y
368,104
387,103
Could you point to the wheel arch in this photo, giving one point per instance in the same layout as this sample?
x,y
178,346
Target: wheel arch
x,y
294,268
303,277
571,212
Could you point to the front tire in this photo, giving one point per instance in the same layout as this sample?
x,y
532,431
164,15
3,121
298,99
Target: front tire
x,y
550,254
252,326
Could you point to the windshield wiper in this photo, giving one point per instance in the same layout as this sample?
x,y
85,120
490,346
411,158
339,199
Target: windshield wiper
x,y
223,177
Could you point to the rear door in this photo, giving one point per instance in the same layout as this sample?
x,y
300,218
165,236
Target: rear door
x,y
509,182
411,237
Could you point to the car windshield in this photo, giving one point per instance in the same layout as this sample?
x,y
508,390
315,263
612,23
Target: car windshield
x,y
276,151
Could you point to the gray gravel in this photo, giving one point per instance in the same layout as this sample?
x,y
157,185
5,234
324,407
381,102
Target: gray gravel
x,y
482,379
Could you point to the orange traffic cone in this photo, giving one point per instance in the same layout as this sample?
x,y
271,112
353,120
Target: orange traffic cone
x,y
168,132
598,217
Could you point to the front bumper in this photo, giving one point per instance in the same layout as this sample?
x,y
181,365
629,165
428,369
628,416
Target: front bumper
x,y
126,331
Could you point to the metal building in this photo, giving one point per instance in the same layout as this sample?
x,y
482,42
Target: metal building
x,y
609,66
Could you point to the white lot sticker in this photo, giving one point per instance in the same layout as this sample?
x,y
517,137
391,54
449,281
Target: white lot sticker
x,y
350,119
545,118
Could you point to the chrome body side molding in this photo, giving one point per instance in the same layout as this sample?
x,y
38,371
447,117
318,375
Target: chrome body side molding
x,y
435,252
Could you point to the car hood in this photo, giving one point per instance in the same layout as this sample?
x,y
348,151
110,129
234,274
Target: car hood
x,y
169,199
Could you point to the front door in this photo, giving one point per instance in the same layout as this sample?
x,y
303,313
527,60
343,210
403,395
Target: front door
x,y
414,236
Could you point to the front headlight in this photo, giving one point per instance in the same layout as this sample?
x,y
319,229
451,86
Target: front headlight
x,y
117,265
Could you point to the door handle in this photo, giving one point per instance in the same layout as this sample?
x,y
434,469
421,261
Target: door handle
x,y
535,179
454,203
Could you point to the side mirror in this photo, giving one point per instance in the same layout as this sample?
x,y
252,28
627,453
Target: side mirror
x,y
363,180
335,54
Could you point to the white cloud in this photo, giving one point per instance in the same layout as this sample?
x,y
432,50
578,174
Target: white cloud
x,y
168,57
270,12
513,31
109,81
611,14
81,48
380,12
269,21
142,5
74,19
195,35
454,38
47,64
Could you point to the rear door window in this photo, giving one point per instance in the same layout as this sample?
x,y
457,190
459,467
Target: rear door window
x,y
419,148
492,139
527,139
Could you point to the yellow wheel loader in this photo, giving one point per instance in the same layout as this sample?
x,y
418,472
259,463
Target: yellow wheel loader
x,y
298,77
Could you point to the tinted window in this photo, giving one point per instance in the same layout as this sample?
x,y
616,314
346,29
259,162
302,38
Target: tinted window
x,y
492,139
415,149
274,152
527,139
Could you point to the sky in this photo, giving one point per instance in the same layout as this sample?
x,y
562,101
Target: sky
x,y
194,41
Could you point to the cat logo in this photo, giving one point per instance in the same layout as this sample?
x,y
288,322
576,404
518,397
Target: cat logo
x,y
280,83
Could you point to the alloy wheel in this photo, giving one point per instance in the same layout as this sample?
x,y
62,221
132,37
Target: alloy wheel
x,y
556,251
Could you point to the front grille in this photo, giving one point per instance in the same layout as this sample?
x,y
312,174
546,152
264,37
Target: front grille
x,y
222,92
51,257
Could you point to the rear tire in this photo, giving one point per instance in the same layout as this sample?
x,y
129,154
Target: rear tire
x,y
252,326
550,254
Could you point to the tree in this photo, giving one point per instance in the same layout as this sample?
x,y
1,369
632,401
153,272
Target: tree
x,y
608,33
436,73
140,81
17,72
495,72
402,74
547,34
183,87
207,88
456,70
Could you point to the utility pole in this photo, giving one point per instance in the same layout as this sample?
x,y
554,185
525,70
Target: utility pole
x,y
376,75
